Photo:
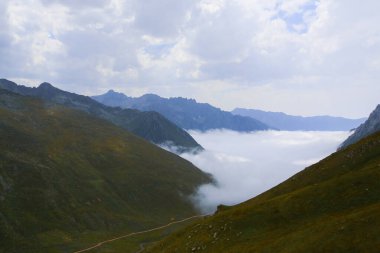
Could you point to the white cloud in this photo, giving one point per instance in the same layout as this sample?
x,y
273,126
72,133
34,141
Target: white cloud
x,y
164,18
170,47
246,165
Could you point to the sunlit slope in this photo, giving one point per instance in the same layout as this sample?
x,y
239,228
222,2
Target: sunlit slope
x,y
332,206
64,174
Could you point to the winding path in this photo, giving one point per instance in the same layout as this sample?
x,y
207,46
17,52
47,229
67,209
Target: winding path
x,y
139,233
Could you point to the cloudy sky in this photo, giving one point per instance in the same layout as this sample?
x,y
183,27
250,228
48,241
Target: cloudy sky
x,y
298,56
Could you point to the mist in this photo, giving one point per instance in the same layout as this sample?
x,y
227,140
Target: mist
x,y
247,164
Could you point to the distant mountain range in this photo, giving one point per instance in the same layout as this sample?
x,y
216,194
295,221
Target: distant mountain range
x,y
151,126
287,122
186,113
68,178
372,125
331,206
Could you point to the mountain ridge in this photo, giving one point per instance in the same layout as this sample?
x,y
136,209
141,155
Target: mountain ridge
x,y
186,113
151,125
370,126
283,121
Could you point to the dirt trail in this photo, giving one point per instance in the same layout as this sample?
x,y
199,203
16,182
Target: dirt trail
x,y
139,233
142,246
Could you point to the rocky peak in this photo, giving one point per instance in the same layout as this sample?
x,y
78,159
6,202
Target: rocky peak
x,y
371,126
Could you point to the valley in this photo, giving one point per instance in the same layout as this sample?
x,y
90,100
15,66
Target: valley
x,y
193,126
72,181
331,206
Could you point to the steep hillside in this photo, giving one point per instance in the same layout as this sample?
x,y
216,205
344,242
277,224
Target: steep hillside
x,y
65,175
332,206
372,125
186,113
149,125
287,122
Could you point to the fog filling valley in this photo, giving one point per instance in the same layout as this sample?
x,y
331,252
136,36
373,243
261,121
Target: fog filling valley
x,y
246,164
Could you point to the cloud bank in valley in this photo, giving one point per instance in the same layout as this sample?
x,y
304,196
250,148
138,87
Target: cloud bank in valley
x,y
246,164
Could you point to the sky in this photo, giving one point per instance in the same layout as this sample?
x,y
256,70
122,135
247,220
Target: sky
x,y
247,164
303,57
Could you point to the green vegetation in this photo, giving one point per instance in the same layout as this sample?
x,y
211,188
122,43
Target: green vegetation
x,y
151,126
332,206
139,242
68,179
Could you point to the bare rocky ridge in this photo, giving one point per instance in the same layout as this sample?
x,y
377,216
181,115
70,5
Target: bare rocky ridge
x,y
371,126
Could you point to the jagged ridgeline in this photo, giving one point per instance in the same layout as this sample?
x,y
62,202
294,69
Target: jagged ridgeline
x,y
370,126
186,113
149,125
65,175
332,206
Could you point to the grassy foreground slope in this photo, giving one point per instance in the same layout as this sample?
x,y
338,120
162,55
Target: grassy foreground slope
x,y
332,206
65,175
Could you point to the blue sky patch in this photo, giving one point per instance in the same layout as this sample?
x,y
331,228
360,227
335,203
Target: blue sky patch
x,y
297,22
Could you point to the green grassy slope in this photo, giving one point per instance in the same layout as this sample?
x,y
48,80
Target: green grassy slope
x,y
65,176
332,206
151,126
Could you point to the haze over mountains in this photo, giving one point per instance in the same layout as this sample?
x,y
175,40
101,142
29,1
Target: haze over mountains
x,y
65,175
186,113
287,122
149,125
189,114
